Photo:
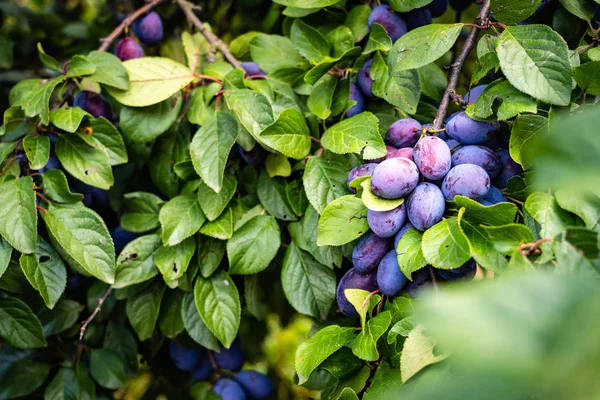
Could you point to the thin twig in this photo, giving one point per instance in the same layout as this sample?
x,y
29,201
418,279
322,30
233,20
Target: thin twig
x,y
107,41
41,196
533,247
98,308
214,41
482,20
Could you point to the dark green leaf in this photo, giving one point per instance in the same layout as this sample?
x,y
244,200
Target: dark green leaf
x,y
194,325
107,368
20,327
56,187
18,224
253,246
86,163
136,262
143,310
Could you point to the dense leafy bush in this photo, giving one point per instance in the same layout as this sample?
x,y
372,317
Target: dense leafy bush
x,y
181,211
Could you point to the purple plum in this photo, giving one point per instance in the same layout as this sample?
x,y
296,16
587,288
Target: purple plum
x,y
369,250
352,279
391,21
256,385
437,8
386,224
432,157
417,18
401,233
93,103
229,389
251,68
468,180
478,155
464,272
357,96
357,172
390,279
425,206
404,133
493,196
509,169
473,94
149,28
128,48
469,131
394,178
363,79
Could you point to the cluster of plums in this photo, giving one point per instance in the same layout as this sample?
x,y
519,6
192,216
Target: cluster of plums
x,y
230,382
148,29
425,170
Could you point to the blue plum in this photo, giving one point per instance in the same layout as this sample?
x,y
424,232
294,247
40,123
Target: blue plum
x,y
473,94
184,358
203,370
493,196
420,280
256,156
404,133
251,68
369,250
478,155
363,79
390,279
231,359
357,172
391,21
394,178
468,180
509,169
401,233
128,49
352,279
256,385
417,18
460,5
389,151
437,8
357,96
405,152
93,103
52,163
469,131
386,224
453,144
121,237
425,206
465,271
229,389
149,28
432,157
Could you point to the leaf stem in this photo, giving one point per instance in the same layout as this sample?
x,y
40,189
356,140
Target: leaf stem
x,y
98,308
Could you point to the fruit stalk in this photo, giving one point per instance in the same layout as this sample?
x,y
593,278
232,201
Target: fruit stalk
x,y
215,42
482,20
107,41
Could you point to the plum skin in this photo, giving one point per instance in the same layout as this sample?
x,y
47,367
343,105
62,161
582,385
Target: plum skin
x,y
357,96
404,133
467,180
401,233
493,196
94,104
390,279
417,18
149,28
251,68
469,131
394,178
229,389
363,79
369,250
255,384
465,271
184,358
128,49
432,157
387,223
425,206
391,21
357,172
231,359
478,155
472,95
203,370
353,280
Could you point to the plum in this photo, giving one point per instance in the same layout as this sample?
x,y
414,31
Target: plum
x,y
128,48
369,250
93,103
256,385
52,163
394,178
357,96
460,5
478,155
437,8
469,131
405,152
386,224
231,359
256,156
404,133
203,370
357,172
229,389
121,237
251,68
493,196
390,279
391,21
425,206
352,279
149,28
389,151
509,169
432,157
452,144
468,180
401,233
417,18
473,94
184,358
363,79
420,280
465,271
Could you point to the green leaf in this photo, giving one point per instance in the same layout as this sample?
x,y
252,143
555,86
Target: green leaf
x,y
153,79
107,368
84,162
535,59
18,224
309,42
5,255
210,148
80,66
288,135
218,303
194,325
321,345
422,46
46,272
119,339
82,234
212,203
357,20
6,149
20,327
68,118
13,119
170,320
167,151
445,246
410,254
341,40
23,378
320,99
180,218
342,221
508,238
48,61
417,353
481,246
140,212
323,67
107,138
252,109
408,5
144,124
378,40
109,70
63,386
196,49
585,205
278,165
210,254
273,196
220,228
173,261
386,380
433,81
296,197
136,261
306,3
308,285
498,214
401,89
546,211
253,246
273,52
63,317
363,301
513,11
359,134
375,203
36,100
17,93
587,77
524,131
512,102
37,149
365,345
143,310
583,9
56,187
6,52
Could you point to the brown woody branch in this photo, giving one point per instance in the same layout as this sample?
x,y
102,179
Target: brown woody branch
x,y
450,93
98,308
212,39
107,41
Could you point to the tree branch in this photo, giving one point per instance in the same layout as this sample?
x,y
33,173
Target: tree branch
x,y
482,21
98,308
107,41
214,41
